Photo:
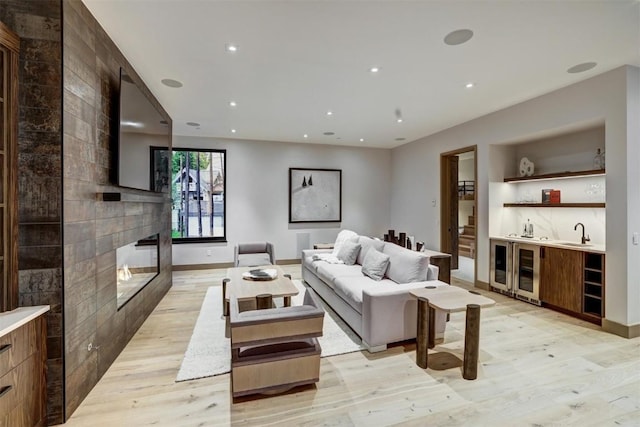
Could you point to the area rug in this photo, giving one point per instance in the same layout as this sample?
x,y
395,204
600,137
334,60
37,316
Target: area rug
x,y
209,351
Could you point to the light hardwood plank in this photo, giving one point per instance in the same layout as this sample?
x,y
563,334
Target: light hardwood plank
x,y
537,367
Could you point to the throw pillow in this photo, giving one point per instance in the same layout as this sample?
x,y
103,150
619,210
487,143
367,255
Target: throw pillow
x,y
343,236
348,252
367,243
375,264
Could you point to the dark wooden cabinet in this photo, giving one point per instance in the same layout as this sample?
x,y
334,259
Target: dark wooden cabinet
x,y
561,273
9,45
593,291
23,357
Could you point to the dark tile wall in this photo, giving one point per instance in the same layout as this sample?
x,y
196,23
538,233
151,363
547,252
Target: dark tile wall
x,y
94,229
67,237
38,24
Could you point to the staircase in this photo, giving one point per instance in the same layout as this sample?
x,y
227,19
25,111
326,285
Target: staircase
x,y
467,239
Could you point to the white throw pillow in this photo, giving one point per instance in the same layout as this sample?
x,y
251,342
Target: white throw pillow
x,y
348,252
375,264
343,236
367,243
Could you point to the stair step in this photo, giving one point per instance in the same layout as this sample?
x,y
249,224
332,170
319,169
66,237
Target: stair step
x,y
469,229
466,240
471,220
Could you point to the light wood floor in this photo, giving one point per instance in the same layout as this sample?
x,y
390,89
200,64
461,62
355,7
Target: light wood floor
x,y
538,368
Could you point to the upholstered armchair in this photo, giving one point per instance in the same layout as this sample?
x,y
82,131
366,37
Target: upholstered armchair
x,y
254,254
275,349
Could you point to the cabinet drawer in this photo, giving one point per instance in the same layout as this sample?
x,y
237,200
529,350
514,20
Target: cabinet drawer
x,y
19,344
19,388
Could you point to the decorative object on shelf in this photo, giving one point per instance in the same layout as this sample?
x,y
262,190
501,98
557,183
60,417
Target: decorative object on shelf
x,y
527,230
419,246
598,160
316,199
555,196
526,167
546,195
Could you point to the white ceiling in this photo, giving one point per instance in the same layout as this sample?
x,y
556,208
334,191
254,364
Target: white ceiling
x,y
299,59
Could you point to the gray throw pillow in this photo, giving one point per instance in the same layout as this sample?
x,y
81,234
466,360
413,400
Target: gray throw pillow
x,y
375,264
348,252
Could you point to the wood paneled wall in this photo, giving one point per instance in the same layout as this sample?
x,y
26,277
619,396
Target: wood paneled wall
x,y
67,237
93,229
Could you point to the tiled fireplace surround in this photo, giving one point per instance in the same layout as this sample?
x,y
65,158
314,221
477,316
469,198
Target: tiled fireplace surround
x,y
68,83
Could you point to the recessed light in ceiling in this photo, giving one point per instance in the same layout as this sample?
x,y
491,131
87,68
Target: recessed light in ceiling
x,y
171,83
400,139
231,47
164,122
585,66
329,133
458,37
398,113
233,131
305,136
329,113
361,139
233,104
469,85
193,124
374,69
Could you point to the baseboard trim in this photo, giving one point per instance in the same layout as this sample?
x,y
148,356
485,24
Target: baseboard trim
x,y
482,285
214,265
630,331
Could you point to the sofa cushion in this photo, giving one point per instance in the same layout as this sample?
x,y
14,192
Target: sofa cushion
x,y
405,266
375,264
343,236
348,252
367,243
350,289
330,272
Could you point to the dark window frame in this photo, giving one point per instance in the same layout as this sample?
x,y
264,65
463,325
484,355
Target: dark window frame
x,y
199,239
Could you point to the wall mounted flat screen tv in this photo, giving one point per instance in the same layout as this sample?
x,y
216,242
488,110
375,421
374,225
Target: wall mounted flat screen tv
x,y
141,126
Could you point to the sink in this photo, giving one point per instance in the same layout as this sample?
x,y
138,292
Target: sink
x,y
577,245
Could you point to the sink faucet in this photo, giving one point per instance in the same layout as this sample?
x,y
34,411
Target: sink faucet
x,y
584,239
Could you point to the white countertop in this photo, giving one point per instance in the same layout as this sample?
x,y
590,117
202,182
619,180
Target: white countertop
x,y
12,320
562,244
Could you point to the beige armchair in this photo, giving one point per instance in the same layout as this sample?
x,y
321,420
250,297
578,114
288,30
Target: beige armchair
x,y
254,254
275,349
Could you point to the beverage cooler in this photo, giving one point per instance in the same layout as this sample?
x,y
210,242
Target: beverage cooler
x,y
515,270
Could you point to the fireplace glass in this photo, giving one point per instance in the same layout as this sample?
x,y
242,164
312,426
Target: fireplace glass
x,y
136,266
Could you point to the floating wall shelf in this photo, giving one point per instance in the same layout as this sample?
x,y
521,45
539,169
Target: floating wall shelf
x,y
554,205
558,175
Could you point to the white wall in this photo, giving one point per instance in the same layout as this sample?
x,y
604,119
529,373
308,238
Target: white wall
x,y
606,98
258,202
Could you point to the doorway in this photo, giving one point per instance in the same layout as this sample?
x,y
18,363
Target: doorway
x,y
458,213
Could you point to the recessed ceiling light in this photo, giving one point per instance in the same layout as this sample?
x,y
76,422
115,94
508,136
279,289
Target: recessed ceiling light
x,y
329,133
469,85
164,122
458,37
329,113
231,47
233,131
585,66
361,139
232,104
398,113
400,139
131,124
171,83
193,124
305,136
374,69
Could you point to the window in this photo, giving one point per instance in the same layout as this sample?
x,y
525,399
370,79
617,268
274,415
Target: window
x,y
198,193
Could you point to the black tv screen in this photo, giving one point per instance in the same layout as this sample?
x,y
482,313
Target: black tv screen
x,y
141,126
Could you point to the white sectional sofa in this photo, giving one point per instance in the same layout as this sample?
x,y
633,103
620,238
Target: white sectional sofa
x,y
380,311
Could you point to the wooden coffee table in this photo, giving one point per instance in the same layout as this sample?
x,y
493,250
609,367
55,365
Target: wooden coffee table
x,y
246,291
450,299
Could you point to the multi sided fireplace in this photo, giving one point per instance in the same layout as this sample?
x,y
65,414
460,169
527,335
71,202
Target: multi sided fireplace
x,y
136,266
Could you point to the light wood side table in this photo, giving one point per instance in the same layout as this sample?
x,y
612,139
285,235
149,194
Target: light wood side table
x,y
450,299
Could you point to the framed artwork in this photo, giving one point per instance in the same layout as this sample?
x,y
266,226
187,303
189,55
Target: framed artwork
x,y
315,195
